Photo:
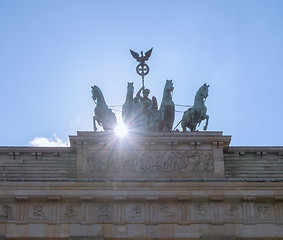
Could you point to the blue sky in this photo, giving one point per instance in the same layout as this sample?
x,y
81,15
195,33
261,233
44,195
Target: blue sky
x,y
51,52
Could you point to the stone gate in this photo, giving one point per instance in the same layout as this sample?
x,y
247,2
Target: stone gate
x,y
171,185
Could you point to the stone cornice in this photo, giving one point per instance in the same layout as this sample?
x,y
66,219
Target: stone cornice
x,y
249,149
141,184
135,139
152,199
7,149
150,191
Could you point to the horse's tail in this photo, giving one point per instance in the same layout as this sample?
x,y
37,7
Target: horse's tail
x,y
186,117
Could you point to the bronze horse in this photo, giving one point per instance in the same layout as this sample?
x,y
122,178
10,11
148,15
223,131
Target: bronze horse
x,y
103,115
130,108
167,109
197,112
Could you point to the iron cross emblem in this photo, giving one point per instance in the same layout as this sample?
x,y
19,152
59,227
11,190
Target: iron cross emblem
x,y
142,68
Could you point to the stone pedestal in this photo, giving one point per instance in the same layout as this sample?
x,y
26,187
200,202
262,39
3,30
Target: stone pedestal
x,y
144,156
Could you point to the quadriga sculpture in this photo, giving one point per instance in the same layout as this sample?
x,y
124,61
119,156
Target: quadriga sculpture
x,y
141,113
197,112
103,115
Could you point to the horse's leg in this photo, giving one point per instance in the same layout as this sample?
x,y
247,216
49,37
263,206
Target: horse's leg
x,y
94,125
171,118
161,119
193,127
183,125
206,123
184,121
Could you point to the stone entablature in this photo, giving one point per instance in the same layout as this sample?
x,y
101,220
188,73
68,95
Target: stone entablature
x,y
194,155
147,186
147,205
98,202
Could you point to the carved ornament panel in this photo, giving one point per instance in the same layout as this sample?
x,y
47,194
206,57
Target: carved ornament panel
x,y
150,161
142,212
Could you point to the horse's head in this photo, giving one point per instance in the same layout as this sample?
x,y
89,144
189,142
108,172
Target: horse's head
x,y
130,88
169,86
203,91
95,91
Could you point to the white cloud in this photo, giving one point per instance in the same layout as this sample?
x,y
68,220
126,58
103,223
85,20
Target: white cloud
x,y
48,142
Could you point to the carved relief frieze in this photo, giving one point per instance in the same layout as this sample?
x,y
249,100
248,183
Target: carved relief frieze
x,y
150,161
5,212
264,211
144,211
37,211
135,212
70,212
200,211
167,213
232,211
103,212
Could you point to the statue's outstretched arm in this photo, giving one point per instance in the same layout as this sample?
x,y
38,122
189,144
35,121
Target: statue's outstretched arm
x,y
139,92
